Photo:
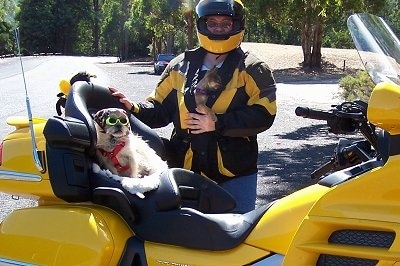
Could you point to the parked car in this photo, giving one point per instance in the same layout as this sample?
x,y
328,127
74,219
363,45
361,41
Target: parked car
x,y
161,61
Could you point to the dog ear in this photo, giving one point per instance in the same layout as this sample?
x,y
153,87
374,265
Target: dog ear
x,y
128,118
100,117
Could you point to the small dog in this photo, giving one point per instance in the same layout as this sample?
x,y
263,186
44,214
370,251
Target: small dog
x,y
128,158
210,82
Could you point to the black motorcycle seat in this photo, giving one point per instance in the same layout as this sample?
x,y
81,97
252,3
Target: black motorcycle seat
x,y
190,228
160,217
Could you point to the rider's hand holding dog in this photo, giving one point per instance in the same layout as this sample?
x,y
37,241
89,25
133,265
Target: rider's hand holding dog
x,y
218,97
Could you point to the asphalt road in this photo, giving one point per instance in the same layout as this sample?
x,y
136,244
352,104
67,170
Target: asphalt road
x,y
289,151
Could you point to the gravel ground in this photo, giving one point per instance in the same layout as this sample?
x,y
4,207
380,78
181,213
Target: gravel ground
x,y
285,60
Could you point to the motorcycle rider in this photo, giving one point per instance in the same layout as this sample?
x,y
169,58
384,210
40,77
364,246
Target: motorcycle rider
x,y
218,140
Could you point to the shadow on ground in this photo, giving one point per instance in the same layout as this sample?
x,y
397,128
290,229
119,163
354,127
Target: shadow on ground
x,y
287,169
328,71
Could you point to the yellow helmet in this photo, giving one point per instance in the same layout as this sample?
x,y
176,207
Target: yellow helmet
x,y
220,43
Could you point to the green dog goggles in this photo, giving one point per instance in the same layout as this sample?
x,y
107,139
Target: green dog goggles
x,y
112,121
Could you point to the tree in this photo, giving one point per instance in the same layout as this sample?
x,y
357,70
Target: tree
x,y
55,26
189,17
96,26
309,17
37,26
164,19
7,23
111,27
141,37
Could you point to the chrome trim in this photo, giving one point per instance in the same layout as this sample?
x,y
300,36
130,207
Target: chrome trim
x,y
13,263
19,176
274,260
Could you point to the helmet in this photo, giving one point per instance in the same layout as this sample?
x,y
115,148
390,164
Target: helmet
x,y
220,43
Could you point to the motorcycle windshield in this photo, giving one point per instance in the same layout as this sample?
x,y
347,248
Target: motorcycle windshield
x,y
377,45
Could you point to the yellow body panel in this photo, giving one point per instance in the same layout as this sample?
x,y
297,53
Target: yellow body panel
x,y
275,231
158,254
63,235
357,205
18,172
384,107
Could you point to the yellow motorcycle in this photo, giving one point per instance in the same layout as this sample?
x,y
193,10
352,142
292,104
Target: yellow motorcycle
x,y
350,217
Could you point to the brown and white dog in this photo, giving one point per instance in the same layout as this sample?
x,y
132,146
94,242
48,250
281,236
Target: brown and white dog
x,y
209,83
126,155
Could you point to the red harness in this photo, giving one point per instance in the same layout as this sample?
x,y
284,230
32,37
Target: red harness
x,y
112,155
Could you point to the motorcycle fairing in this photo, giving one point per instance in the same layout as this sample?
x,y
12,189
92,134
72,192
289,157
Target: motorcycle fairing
x,y
358,223
371,215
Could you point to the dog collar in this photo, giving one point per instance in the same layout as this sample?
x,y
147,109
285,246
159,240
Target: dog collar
x,y
112,155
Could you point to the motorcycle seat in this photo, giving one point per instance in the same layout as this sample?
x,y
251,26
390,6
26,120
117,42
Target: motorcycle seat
x,y
162,217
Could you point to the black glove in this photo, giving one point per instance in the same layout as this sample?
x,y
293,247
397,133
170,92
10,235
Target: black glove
x,y
60,102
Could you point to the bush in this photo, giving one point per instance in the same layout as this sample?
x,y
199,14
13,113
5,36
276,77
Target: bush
x,y
356,87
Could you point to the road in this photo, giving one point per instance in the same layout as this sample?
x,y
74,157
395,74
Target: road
x,y
289,151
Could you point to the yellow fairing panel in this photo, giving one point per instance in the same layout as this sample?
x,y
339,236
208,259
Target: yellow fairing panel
x,y
275,230
368,203
63,235
158,254
17,146
384,107
18,173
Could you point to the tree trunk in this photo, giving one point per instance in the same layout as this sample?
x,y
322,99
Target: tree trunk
x,y
170,39
96,27
190,29
170,43
158,44
125,31
316,55
306,44
311,42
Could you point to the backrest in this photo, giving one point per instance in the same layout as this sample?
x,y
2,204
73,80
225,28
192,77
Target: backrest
x,y
71,140
86,98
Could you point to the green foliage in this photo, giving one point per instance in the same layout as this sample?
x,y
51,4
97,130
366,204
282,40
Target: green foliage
x,y
6,41
37,35
111,27
338,39
356,87
132,28
54,26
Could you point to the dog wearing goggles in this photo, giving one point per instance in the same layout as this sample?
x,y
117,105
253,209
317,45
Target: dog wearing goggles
x,y
126,155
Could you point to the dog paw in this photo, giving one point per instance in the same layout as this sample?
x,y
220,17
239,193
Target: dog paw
x,y
96,168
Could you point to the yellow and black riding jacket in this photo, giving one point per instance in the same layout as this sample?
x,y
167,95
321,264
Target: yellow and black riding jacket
x,y
245,106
